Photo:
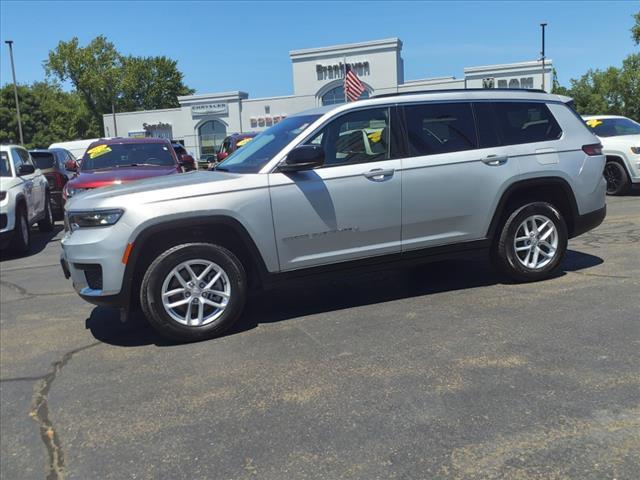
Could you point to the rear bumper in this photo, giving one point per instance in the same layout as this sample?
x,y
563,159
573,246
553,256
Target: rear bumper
x,y
588,221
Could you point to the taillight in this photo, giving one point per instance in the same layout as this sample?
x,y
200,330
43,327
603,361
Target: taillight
x,y
592,149
55,179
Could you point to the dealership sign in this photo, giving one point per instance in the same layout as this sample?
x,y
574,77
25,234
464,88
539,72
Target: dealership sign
x,y
209,109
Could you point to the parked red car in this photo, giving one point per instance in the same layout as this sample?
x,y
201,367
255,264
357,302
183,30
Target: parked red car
x,y
121,160
232,143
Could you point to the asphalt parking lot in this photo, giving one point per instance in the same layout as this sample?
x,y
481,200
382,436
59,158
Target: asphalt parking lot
x,y
440,371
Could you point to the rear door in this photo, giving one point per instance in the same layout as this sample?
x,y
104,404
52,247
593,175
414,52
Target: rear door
x,y
450,176
348,209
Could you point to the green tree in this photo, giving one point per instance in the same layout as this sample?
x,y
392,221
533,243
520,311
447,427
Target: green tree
x,y
48,115
102,76
635,30
93,70
149,83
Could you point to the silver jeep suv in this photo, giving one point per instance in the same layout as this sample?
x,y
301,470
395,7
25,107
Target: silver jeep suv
x,y
395,178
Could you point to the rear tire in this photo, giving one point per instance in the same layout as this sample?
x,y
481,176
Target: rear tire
x,y
21,241
46,224
215,297
531,242
617,179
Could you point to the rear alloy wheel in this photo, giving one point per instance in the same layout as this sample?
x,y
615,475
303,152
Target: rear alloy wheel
x,y
532,242
21,241
616,177
193,291
46,224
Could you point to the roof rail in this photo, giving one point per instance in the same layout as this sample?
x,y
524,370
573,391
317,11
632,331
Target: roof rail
x,y
454,90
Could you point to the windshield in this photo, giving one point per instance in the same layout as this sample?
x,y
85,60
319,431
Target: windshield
x,y
5,169
612,127
43,160
255,154
101,155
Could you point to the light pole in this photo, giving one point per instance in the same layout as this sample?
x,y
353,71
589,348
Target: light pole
x,y
15,90
543,25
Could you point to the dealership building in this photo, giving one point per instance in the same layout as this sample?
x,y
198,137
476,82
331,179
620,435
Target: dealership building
x,y
202,121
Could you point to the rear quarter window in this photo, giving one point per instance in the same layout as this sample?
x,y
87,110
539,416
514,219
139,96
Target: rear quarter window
x,y
525,122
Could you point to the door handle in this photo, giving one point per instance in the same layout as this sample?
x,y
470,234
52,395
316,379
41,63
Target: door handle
x,y
495,160
379,173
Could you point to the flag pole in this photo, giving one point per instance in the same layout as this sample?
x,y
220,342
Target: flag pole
x,y
344,79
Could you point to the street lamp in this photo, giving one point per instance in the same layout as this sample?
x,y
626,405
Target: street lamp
x,y
15,90
543,25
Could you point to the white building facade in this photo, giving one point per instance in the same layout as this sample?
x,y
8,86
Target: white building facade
x,y
202,121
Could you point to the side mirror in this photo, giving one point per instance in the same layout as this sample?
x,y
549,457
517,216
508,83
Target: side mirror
x,y
71,166
221,156
25,169
304,157
187,162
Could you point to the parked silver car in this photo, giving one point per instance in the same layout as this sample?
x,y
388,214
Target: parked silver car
x,y
406,178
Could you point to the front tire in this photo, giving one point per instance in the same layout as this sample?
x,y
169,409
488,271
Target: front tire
x,y
617,179
532,242
193,291
21,241
46,224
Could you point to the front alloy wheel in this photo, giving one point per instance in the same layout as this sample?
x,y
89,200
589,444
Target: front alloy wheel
x,y
616,177
196,292
193,291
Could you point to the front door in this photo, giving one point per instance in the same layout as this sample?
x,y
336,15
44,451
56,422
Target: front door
x,y
348,209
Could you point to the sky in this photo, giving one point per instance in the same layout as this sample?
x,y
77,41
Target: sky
x,y
224,46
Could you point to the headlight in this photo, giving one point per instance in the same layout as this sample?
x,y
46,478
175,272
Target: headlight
x,y
97,218
73,191
635,150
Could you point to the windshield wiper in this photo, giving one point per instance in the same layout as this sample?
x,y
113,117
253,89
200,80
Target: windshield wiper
x,y
139,165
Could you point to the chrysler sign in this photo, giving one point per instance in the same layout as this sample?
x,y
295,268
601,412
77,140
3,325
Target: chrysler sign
x,y
209,109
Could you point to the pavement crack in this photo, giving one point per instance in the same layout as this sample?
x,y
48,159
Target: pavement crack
x,y
20,379
40,414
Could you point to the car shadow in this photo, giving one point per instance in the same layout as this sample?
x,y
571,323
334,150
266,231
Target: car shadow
x,y
39,241
328,294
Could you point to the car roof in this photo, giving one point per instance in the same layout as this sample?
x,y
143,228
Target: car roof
x,y
468,94
123,140
590,117
7,146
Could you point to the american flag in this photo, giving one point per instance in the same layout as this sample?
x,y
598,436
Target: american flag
x,y
353,87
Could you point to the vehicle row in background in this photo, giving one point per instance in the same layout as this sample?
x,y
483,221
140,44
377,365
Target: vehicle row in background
x,y
120,160
24,199
620,137
230,144
54,164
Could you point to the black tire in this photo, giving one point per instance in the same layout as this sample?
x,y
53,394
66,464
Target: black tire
x,y
46,224
160,268
21,240
504,253
617,179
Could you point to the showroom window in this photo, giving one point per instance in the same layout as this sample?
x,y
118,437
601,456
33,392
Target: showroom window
x,y
210,135
336,95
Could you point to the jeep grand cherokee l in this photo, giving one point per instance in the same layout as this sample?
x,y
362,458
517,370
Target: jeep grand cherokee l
x,y
403,178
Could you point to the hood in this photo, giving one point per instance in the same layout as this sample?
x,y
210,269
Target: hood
x,y
103,178
621,142
166,188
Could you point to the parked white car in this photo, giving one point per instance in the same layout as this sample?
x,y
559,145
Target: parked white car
x,y
620,137
24,198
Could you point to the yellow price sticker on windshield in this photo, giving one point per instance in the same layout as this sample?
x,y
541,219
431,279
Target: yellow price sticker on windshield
x,y
243,141
97,151
594,122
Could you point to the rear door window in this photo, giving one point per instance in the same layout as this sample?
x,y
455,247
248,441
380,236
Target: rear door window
x,y
434,128
525,122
